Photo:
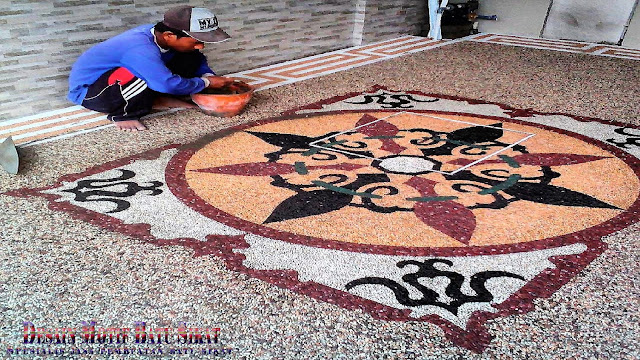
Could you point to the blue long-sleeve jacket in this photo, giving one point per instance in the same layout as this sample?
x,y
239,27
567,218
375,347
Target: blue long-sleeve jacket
x,y
137,51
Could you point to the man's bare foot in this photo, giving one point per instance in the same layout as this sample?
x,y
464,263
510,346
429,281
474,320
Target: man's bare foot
x,y
164,102
130,125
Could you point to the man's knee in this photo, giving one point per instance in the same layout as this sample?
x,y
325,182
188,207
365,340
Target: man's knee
x,y
121,94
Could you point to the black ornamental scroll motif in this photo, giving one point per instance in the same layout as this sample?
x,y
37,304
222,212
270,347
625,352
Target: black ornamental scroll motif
x,y
114,190
453,289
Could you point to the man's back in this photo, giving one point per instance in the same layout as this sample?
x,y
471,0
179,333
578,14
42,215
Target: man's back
x,y
108,55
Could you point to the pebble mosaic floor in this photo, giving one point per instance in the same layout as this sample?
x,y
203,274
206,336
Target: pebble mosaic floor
x,y
406,205
355,215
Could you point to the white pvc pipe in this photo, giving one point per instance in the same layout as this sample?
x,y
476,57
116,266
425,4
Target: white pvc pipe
x,y
435,18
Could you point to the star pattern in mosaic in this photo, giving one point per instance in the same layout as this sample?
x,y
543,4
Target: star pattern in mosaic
x,y
442,171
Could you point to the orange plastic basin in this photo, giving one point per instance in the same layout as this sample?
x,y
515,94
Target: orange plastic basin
x,y
226,102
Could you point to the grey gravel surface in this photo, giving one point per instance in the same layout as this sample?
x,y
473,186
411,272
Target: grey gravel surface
x,y
56,271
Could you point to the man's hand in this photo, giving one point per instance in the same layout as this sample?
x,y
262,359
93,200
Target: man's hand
x,y
217,82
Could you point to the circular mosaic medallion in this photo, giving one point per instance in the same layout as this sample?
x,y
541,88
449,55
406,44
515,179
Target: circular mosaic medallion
x,y
399,182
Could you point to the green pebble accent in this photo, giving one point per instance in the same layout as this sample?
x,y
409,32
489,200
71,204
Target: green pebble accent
x,y
316,149
311,151
344,191
301,168
509,160
512,180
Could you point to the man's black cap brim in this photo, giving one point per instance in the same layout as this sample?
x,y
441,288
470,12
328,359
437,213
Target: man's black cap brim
x,y
214,36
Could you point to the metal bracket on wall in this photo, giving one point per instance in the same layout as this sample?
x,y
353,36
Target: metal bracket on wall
x,y
626,26
544,23
9,156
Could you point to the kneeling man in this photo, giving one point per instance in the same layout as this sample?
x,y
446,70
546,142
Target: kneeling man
x,y
125,75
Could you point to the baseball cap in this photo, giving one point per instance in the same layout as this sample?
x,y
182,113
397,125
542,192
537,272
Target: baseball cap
x,y
199,23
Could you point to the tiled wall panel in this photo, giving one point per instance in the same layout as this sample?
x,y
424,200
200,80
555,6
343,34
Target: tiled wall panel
x,y
387,19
